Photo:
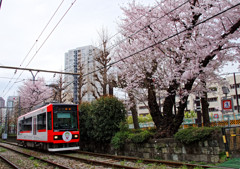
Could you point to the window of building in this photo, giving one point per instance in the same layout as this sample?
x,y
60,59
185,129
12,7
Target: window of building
x,y
235,96
235,107
213,99
212,109
232,86
143,107
214,89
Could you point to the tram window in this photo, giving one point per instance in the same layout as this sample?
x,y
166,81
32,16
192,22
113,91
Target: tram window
x,y
41,121
27,124
49,120
20,125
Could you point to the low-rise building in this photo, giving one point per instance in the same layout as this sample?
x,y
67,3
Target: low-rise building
x,y
215,96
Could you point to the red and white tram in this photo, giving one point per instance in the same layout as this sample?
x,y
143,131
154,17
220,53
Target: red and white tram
x,y
54,127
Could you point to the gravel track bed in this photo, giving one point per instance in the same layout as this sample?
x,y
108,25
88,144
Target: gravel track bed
x,y
54,158
4,165
137,164
24,162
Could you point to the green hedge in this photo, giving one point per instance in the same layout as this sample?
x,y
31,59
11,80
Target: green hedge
x,y
134,136
191,135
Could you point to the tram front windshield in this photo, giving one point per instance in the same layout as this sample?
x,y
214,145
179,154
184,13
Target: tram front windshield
x,y
65,119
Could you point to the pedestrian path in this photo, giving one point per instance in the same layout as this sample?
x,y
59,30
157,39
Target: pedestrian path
x,y
232,163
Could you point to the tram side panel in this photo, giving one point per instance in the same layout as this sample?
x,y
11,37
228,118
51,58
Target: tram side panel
x,y
32,126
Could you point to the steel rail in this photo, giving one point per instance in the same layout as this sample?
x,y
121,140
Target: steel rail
x,y
9,162
88,161
96,162
168,163
46,161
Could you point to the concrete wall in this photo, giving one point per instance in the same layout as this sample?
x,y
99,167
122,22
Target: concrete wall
x,y
166,149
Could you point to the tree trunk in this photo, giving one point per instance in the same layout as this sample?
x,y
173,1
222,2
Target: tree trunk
x,y
134,111
154,107
205,113
170,123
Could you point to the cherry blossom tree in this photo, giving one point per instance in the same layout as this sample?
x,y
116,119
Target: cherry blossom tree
x,y
33,93
171,47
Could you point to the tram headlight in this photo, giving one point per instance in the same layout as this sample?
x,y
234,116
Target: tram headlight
x,y
55,137
75,136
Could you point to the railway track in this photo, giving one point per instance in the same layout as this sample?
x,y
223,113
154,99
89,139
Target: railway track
x,y
141,163
5,163
11,152
147,161
91,163
112,161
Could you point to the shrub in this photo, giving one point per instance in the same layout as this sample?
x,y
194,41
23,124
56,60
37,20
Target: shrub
x,y
134,136
99,121
85,122
119,139
140,137
191,135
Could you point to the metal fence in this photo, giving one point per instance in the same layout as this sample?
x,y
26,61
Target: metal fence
x,y
221,121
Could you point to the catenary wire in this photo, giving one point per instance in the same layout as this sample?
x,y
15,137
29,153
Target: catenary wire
x,y
111,37
44,42
34,43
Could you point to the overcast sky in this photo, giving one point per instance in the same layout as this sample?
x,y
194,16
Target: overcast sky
x,y
22,21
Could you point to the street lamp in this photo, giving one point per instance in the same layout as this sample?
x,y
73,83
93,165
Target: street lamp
x,y
225,90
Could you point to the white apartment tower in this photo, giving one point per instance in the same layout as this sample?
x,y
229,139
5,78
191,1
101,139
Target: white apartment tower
x,y
84,56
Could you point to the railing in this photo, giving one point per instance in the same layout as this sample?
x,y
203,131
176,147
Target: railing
x,y
222,121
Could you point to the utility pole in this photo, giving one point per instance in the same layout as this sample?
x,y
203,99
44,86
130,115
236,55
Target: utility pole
x,y
198,110
75,79
34,76
236,92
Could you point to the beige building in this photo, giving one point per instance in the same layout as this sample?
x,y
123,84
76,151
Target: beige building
x,y
214,98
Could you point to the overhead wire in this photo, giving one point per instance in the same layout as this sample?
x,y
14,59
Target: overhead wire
x,y
109,38
161,41
45,41
34,44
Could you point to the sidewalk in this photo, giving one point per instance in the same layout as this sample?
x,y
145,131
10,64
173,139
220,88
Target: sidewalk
x,y
232,163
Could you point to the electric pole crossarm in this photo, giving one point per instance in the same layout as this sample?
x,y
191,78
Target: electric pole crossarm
x,y
38,70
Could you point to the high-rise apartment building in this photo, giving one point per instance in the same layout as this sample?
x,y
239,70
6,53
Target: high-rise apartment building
x,y
2,107
11,102
83,56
